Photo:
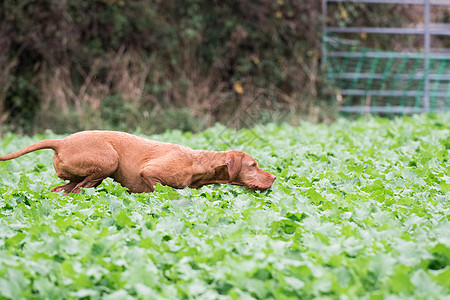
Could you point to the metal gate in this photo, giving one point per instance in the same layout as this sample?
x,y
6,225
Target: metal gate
x,y
375,81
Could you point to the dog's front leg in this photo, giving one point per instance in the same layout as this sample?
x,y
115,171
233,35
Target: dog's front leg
x,y
147,175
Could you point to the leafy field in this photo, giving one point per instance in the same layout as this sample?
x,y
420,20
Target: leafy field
x,y
360,209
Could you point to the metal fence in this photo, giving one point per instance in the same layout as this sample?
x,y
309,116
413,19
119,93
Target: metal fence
x,y
389,81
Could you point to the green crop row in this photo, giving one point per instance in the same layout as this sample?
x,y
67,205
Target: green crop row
x,y
360,209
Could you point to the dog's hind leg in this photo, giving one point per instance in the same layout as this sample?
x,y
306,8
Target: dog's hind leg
x,y
66,187
95,175
90,181
84,169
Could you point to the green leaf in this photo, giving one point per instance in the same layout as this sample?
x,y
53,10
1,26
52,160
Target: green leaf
x,y
13,285
47,289
442,277
123,220
424,285
11,242
314,196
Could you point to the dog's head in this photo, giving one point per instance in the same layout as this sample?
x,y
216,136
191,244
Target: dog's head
x,y
244,170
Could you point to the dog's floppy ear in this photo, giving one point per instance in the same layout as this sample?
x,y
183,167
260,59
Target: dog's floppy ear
x,y
233,164
229,169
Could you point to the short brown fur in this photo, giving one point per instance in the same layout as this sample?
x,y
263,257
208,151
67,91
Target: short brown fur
x,y
86,158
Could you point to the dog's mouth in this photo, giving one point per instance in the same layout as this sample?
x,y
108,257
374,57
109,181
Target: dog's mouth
x,y
250,186
258,188
253,186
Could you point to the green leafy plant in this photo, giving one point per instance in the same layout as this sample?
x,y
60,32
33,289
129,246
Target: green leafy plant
x,y
359,209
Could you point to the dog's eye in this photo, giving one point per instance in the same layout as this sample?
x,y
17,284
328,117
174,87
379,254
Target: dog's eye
x,y
253,165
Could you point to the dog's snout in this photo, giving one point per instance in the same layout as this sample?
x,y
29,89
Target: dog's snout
x,y
273,177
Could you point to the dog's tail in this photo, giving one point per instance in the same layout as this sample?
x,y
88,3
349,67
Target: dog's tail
x,y
47,144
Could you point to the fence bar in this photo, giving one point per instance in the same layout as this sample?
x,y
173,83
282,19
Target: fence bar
x,y
388,109
396,93
381,109
416,2
434,29
440,77
387,54
391,30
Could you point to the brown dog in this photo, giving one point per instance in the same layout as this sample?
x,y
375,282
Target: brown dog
x,y
86,158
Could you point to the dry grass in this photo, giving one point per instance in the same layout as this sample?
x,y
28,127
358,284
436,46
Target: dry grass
x,y
189,98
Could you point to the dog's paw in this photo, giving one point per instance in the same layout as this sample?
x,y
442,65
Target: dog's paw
x,y
57,189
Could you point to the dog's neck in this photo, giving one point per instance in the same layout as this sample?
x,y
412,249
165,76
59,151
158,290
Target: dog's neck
x,y
205,173
204,157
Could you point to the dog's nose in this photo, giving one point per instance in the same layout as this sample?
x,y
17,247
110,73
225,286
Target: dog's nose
x,y
273,177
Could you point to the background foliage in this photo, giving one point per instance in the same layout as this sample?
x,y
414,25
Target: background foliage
x,y
74,64
70,65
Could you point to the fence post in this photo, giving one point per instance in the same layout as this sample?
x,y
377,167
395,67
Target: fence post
x,y
324,33
426,98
